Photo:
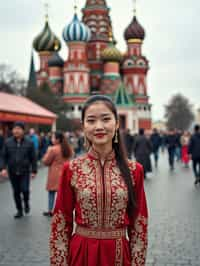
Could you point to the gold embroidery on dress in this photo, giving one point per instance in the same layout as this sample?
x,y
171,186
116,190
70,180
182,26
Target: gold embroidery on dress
x,y
58,241
138,241
118,255
86,189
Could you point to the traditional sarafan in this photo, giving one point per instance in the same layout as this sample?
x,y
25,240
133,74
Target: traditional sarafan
x,y
104,233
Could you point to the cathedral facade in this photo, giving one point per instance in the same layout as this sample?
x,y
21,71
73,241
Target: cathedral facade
x,y
95,65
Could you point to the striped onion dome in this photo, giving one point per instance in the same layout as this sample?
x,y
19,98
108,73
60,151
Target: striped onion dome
x,y
134,30
46,41
76,31
111,54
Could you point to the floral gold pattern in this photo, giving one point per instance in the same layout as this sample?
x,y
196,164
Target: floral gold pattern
x,y
59,241
138,241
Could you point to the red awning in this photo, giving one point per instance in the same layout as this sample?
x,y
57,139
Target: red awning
x,y
19,108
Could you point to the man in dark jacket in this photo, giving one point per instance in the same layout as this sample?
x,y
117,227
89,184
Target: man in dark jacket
x,y
171,142
142,151
156,143
20,159
194,151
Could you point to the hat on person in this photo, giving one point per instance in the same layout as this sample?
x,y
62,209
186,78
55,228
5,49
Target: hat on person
x,y
19,124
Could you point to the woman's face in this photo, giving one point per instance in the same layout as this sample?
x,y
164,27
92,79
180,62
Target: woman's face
x,y
99,124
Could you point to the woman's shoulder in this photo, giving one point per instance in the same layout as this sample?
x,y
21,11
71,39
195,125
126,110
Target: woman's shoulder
x,y
77,162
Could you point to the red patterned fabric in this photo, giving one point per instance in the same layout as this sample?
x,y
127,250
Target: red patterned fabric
x,y
99,197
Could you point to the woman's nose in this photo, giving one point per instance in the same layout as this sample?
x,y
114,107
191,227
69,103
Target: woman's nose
x,y
99,124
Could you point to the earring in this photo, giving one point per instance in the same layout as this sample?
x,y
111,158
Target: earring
x,y
116,137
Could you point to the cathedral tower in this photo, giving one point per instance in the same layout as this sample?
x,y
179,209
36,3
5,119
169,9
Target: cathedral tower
x,y
96,17
46,43
76,68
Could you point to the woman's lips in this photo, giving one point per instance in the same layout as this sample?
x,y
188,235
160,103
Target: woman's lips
x,y
99,135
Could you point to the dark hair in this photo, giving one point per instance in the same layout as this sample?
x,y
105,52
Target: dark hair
x,y
65,147
141,131
120,154
196,128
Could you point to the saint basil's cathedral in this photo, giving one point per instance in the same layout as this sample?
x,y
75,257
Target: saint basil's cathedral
x,y
95,66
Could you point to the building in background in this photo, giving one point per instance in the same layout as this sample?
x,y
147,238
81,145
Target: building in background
x,y
18,108
95,65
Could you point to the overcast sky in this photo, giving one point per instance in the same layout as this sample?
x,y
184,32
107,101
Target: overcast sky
x,y
172,41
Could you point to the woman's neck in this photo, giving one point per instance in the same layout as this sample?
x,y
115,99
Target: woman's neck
x,y
102,151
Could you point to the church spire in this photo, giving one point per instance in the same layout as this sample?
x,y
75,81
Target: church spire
x,y
32,83
134,7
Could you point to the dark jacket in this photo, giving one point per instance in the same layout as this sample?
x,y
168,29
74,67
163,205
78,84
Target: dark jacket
x,y
171,141
142,151
19,158
156,141
194,146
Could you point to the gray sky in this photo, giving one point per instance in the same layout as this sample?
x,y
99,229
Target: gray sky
x,y
172,40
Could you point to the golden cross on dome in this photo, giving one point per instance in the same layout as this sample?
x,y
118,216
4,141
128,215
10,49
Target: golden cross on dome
x,y
75,6
46,6
135,7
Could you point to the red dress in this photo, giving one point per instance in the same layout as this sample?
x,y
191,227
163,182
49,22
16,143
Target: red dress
x,y
99,197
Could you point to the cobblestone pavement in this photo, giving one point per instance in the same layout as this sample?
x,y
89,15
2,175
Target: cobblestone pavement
x,y
174,224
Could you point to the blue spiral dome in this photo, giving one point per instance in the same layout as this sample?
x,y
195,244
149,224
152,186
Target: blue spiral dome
x,y
76,31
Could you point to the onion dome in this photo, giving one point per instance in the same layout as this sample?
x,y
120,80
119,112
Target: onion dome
x,y
134,30
76,31
111,53
46,41
55,61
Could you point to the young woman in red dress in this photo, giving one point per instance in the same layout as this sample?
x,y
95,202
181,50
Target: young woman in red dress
x,y
106,191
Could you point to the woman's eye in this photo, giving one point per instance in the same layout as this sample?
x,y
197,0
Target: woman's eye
x,y
90,120
106,119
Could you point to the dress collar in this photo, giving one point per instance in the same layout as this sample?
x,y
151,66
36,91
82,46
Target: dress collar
x,y
95,155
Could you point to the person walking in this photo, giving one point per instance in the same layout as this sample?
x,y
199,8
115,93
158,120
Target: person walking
x,y
54,158
20,159
142,151
106,191
185,139
156,143
171,143
194,152
35,139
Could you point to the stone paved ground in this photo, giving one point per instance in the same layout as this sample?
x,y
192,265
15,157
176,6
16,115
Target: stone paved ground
x,y
174,224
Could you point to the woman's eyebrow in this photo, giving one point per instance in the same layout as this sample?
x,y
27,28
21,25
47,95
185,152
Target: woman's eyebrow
x,y
101,115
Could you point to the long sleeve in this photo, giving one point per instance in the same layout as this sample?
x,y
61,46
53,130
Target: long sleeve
x,y
138,223
62,222
4,157
48,157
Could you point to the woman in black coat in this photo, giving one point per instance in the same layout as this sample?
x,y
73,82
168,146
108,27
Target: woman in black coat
x,y
142,151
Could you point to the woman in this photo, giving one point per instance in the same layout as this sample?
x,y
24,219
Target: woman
x,y
55,157
106,191
185,139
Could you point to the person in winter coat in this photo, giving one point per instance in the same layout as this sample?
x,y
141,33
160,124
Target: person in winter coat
x,y
156,143
142,151
194,152
19,159
54,158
